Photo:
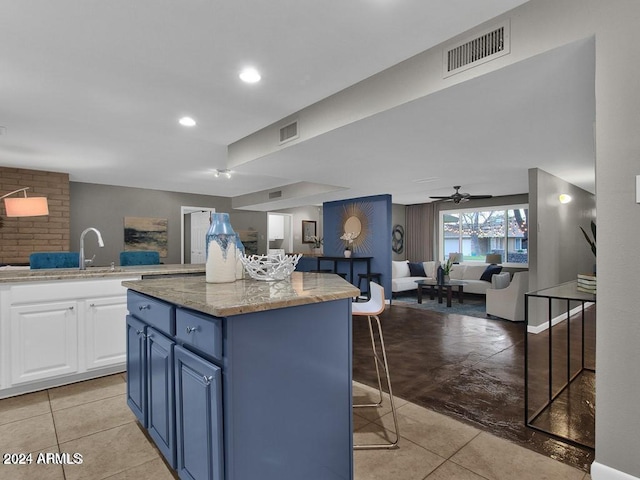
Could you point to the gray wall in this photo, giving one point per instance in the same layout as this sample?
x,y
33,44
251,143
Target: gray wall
x,y
104,207
558,250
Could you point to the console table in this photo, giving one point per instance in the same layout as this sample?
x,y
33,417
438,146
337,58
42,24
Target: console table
x,y
351,260
559,404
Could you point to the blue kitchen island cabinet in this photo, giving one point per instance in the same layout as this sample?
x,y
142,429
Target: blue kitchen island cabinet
x,y
261,375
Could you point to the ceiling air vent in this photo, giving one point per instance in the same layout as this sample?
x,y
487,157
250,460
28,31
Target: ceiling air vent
x,y
289,132
471,52
276,194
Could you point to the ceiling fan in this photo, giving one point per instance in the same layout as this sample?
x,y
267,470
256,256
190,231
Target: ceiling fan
x,y
458,197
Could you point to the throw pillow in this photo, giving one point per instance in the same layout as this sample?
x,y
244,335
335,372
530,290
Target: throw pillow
x,y
489,272
417,269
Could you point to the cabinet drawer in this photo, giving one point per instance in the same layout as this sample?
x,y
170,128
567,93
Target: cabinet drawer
x,y
200,331
154,312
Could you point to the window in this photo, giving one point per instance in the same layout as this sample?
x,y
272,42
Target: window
x,y
475,233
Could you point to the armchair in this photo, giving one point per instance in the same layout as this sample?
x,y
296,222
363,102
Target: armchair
x,y
508,303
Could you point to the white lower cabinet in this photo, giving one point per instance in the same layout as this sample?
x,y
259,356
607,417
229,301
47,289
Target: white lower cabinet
x,y
59,332
44,341
105,321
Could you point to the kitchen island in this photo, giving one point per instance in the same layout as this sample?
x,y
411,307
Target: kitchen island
x,y
244,380
64,325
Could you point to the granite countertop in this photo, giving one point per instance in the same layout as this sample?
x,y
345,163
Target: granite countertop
x,y
245,296
13,275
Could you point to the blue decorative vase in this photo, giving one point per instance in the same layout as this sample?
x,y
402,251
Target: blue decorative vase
x,y
221,248
239,252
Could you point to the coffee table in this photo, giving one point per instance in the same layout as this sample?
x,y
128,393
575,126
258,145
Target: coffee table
x,y
434,286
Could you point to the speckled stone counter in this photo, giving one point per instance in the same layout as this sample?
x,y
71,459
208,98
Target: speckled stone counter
x,y
245,296
12,275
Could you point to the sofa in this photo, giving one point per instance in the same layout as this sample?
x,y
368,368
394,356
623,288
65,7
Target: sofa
x,y
472,275
402,279
404,275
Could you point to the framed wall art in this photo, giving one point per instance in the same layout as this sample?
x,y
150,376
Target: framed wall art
x,y
308,231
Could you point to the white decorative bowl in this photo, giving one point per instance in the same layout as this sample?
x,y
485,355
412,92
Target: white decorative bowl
x,y
270,267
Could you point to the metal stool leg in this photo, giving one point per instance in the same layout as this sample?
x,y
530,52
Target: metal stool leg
x,y
385,367
376,361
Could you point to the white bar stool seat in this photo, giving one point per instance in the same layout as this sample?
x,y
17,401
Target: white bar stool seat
x,y
371,309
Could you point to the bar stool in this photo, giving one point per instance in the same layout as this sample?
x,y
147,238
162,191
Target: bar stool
x,y
371,309
369,277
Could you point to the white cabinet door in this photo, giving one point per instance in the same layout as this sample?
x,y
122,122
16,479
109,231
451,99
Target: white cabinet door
x,y
44,341
199,228
105,331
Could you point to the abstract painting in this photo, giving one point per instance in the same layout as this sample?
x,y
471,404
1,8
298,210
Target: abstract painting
x,y
145,233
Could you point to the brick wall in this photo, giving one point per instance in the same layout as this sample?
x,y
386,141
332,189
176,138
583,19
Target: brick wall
x,y
21,236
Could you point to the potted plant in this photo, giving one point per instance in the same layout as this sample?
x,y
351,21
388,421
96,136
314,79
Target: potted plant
x,y
316,243
587,282
348,237
446,270
592,243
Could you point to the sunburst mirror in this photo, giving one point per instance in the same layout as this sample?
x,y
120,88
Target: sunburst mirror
x,y
356,219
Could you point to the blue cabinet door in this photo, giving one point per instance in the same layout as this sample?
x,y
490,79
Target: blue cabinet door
x,y
136,369
198,417
160,387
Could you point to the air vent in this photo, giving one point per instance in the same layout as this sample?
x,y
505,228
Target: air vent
x,y
289,132
471,52
276,194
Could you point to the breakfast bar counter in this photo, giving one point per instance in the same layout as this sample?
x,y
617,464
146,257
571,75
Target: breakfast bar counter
x,y
249,379
17,275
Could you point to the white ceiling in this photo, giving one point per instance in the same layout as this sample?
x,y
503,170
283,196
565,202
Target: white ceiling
x,y
95,88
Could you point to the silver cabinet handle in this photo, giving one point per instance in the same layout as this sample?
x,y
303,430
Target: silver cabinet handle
x,y
142,334
92,305
71,308
207,380
144,307
191,329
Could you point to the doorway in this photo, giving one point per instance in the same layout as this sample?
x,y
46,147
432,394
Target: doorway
x,y
280,232
194,226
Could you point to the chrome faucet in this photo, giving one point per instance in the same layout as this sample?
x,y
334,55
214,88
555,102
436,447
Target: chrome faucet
x,y
83,262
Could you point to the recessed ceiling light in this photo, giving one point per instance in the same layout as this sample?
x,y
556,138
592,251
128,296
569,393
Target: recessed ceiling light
x,y
250,75
187,122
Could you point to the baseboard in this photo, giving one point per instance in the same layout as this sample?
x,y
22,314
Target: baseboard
x,y
554,321
602,472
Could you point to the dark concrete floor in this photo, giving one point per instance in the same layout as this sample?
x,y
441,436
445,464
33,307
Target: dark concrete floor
x,y
472,369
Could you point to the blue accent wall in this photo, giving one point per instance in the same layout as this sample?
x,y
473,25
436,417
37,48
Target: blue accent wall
x,y
376,244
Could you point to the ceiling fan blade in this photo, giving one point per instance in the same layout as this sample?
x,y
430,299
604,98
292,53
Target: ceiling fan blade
x,y
447,197
475,197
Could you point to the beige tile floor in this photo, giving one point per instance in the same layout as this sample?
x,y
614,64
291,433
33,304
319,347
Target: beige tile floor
x,y
92,418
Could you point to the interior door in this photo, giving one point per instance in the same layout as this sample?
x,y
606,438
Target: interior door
x,y
199,227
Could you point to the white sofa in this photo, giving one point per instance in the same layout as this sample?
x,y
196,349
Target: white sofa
x,y
471,273
401,279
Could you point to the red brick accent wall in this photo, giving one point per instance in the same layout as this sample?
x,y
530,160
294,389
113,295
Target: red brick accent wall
x,y
21,236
